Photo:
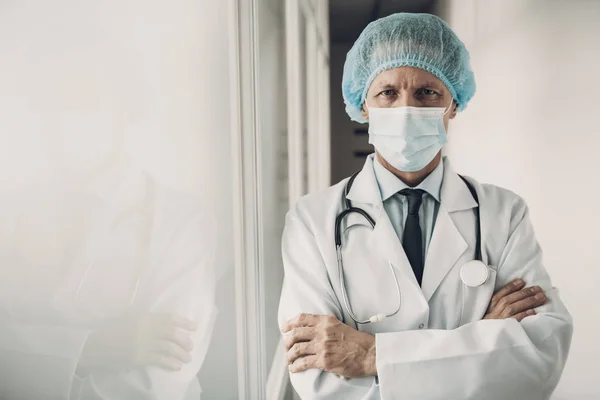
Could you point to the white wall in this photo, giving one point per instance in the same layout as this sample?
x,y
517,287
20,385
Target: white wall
x,y
163,69
533,127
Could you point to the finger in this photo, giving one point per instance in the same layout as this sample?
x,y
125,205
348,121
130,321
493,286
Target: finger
x,y
523,305
300,350
522,294
510,287
179,337
297,335
301,320
520,316
304,363
164,362
159,320
183,323
172,350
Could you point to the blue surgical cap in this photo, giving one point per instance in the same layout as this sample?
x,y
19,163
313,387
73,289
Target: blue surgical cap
x,y
406,40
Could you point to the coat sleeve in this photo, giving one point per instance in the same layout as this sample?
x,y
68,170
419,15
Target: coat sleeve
x,y
191,294
491,359
307,289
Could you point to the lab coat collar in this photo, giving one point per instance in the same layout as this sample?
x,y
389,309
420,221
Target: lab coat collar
x,y
454,194
364,188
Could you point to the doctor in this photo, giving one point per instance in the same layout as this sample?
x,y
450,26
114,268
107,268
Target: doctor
x,y
400,310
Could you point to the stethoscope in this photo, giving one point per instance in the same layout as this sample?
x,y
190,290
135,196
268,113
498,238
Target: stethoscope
x,y
473,273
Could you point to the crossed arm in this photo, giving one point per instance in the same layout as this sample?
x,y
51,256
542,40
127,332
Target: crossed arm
x,y
512,342
323,342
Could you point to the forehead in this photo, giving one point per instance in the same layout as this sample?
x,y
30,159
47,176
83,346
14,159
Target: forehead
x,y
406,77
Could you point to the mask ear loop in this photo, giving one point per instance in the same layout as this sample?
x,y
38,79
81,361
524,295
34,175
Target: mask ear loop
x,y
447,109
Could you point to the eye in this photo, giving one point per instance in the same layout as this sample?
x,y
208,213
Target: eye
x,y
387,93
429,92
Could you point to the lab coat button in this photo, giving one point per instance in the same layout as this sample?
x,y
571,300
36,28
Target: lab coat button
x,y
421,326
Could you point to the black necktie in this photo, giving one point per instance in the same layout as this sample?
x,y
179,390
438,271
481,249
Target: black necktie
x,y
412,240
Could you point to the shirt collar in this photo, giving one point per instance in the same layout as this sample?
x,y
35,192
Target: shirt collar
x,y
389,184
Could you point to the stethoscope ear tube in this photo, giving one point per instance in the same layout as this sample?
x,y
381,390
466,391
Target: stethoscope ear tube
x,y
348,209
340,217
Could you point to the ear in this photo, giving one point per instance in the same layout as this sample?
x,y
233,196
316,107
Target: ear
x,y
454,110
365,112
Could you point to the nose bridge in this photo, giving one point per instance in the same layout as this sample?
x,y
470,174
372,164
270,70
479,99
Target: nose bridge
x,y
406,98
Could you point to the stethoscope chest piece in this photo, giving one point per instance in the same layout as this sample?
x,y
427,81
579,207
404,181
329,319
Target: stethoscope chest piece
x,y
474,273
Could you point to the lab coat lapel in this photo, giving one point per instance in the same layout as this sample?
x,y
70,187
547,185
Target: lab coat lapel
x,y
447,244
383,241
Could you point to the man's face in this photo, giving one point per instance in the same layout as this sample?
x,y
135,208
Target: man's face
x,y
409,87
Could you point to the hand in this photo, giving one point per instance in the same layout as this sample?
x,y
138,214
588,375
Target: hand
x,y
323,342
515,301
161,340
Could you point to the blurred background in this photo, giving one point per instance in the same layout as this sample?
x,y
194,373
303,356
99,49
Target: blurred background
x,y
236,107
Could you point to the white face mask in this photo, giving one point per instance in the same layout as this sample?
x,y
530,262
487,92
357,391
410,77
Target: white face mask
x,y
408,138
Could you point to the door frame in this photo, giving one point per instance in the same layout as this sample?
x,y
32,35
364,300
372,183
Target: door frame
x,y
247,188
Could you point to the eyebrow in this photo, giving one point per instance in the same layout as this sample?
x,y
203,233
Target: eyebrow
x,y
432,84
385,85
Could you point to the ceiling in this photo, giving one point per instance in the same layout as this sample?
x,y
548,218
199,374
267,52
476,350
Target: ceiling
x,y
347,18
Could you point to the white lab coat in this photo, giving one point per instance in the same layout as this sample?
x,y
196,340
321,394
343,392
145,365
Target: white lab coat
x,y
437,346
140,230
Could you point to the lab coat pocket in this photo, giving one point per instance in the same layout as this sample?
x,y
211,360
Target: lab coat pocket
x,y
475,300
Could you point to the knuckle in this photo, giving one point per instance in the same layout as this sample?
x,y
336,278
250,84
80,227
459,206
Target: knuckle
x,y
320,360
532,301
292,335
328,322
509,310
542,297
319,345
294,350
290,356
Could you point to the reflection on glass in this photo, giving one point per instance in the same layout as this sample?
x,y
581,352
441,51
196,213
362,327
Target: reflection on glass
x,y
108,252
107,274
